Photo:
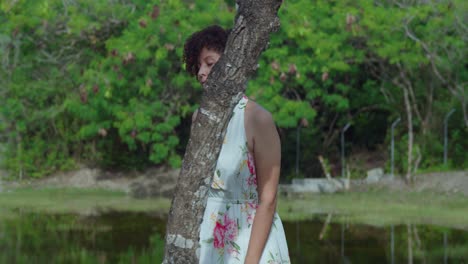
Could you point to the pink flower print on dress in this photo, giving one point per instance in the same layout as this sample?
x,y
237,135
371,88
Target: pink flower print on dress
x,y
233,252
219,234
231,229
251,164
252,205
250,219
252,180
224,233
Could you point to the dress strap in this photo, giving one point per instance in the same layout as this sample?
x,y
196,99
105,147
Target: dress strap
x,y
242,103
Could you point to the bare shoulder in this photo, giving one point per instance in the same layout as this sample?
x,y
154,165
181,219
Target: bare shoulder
x,y
260,127
258,116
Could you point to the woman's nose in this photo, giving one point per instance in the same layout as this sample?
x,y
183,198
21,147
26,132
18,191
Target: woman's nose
x,y
202,74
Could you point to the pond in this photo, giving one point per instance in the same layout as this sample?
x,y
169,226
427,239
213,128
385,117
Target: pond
x,y
128,237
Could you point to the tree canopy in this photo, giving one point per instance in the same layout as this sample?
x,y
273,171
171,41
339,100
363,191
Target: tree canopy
x,y
102,82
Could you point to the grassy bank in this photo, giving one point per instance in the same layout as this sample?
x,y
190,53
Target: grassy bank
x,y
381,207
58,200
374,207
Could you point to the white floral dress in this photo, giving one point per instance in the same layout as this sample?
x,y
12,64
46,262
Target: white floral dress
x,y
232,202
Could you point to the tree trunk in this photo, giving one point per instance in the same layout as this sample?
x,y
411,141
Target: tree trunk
x,y
410,134
249,37
465,112
19,153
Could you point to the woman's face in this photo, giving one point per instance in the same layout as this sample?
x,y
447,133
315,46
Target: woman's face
x,y
207,59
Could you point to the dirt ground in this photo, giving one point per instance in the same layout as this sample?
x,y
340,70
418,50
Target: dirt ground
x,y
152,182
453,182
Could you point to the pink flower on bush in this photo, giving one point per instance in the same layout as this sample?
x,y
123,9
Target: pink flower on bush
x,y
218,235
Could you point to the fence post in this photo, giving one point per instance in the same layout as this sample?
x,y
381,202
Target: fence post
x,y
343,149
445,134
392,150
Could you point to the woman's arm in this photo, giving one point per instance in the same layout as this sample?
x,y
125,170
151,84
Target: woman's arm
x,y
267,156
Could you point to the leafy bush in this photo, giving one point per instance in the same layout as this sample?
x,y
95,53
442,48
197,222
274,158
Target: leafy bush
x,y
102,83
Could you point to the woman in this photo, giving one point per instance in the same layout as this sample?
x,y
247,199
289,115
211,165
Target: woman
x,y
240,224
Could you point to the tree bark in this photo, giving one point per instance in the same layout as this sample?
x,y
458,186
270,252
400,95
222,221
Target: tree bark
x,y
409,116
410,135
255,20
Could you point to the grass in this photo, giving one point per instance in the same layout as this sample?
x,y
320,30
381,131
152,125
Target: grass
x,y
381,207
71,200
375,207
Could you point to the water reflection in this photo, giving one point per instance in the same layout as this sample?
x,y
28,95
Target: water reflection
x,y
392,244
320,242
106,238
445,247
117,237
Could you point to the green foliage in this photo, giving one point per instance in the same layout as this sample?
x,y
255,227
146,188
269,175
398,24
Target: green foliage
x,y
103,82
48,84
137,92
409,46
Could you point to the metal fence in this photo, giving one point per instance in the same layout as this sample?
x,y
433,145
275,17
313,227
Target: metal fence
x,y
392,144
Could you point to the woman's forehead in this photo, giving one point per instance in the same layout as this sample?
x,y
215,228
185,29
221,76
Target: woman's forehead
x,y
206,52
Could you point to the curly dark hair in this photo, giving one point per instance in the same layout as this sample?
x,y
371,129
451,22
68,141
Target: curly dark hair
x,y
212,37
